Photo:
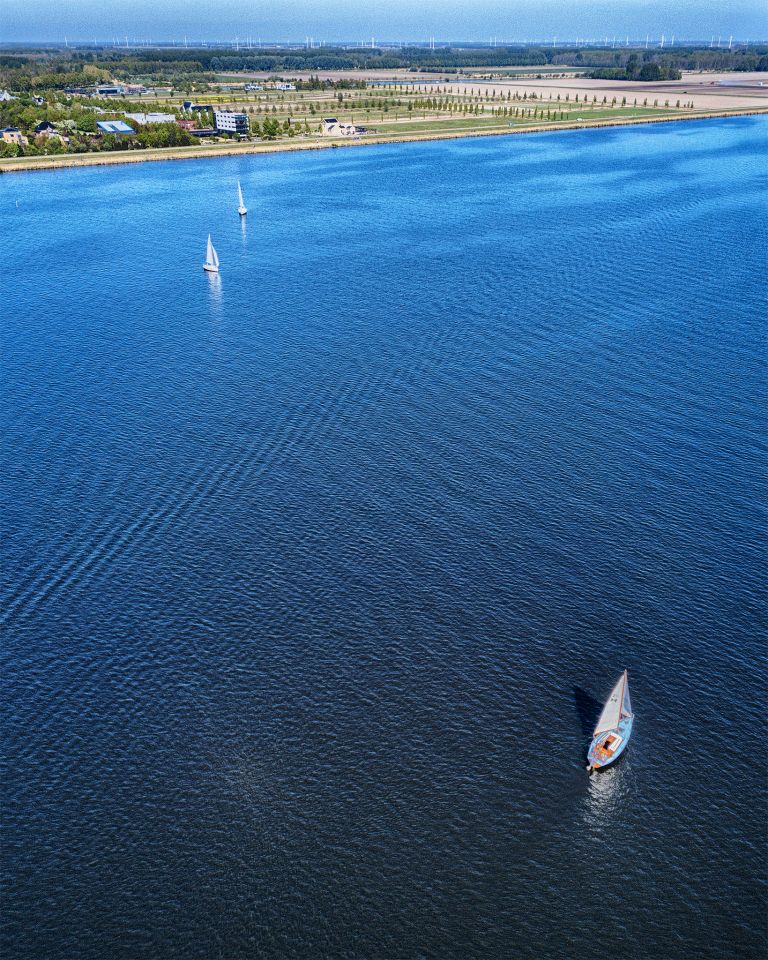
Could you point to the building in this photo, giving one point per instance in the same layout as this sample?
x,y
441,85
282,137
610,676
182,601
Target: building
x,y
280,85
47,130
110,90
192,107
254,86
204,132
227,121
52,135
187,124
335,128
142,118
12,135
4,95
119,127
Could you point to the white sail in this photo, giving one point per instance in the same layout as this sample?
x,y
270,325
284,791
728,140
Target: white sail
x,y
612,711
626,709
211,257
241,208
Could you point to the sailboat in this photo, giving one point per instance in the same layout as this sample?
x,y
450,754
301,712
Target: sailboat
x,y
614,728
211,258
242,209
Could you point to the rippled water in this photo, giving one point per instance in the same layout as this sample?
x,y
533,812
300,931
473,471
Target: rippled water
x,y
315,576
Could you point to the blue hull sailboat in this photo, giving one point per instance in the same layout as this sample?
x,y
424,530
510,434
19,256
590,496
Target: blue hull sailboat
x,y
614,728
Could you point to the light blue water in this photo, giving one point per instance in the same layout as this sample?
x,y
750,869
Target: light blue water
x,y
316,576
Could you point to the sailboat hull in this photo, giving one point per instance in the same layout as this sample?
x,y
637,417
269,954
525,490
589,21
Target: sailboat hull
x,y
242,211
209,268
600,755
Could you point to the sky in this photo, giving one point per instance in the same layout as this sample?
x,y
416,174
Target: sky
x,y
397,20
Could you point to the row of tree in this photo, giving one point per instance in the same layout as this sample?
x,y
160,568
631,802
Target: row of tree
x,y
635,70
56,69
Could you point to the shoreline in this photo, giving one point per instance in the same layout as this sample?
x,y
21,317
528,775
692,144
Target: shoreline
x,y
64,161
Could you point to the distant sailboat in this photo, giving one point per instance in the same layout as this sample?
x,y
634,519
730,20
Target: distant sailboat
x,y
242,209
211,258
614,728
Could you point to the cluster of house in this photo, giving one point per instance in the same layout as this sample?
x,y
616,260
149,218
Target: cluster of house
x,y
225,121
44,129
108,90
270,85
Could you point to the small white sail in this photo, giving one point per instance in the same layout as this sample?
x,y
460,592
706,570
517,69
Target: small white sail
x,y
242,209
612,711
211,257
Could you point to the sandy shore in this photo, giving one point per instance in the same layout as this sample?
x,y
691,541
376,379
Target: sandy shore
x,y
25,164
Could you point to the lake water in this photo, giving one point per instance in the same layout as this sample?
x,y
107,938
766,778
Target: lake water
x,y
316,575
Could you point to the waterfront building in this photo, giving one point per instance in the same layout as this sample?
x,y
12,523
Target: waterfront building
x,y
227,121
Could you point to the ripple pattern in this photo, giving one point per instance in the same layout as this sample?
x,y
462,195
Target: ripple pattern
x,y
314,580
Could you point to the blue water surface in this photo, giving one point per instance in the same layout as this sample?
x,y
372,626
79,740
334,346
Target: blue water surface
x,y
316,574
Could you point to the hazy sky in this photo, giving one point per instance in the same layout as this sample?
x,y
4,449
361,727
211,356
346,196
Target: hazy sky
x,y
387,19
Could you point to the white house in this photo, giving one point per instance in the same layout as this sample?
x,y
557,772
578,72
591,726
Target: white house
x,y
336,128
143,118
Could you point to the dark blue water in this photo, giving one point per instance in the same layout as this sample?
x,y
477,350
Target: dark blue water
x,y
316,577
